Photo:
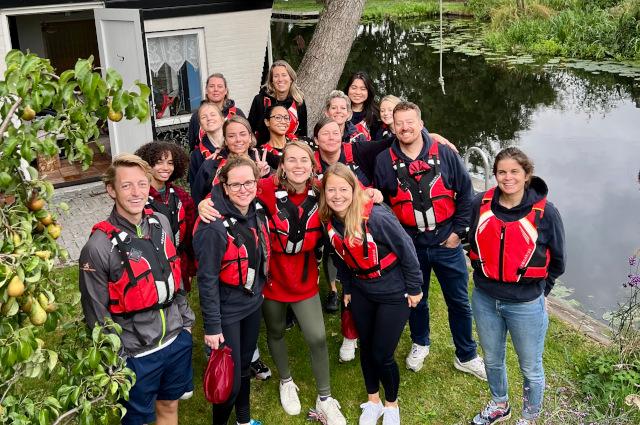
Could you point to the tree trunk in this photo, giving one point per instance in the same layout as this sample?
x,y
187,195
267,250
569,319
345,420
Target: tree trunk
x,y
328,50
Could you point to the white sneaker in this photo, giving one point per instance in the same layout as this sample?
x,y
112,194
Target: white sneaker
x,y
391,416
289,398
415,358
348,350
473,366
371,412
330,409
186,396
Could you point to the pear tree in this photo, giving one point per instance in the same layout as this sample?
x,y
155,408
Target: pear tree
x,y
53,370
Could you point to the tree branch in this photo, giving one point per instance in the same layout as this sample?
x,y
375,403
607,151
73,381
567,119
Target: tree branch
x,y
10,383
7,119
77,409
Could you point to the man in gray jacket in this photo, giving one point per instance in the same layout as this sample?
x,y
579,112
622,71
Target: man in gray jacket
x,y
129,272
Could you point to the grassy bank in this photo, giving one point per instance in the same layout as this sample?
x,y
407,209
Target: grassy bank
x,y
381,9
436,395
588,29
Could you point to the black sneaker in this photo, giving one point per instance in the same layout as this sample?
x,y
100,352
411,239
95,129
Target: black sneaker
x,y
331,306
260,371
491,414
291,318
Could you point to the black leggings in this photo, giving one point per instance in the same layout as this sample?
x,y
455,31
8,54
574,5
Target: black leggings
x,y
242,337
380,321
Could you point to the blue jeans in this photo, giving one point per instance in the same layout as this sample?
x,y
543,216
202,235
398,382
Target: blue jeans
x,y
527,323
450,268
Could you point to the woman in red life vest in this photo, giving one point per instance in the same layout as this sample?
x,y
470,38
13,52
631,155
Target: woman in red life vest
x,y
216,92
168,163
212,142
290,200
233,254
517,253
280,89
380,274
386,129
338,108
362,93
276,119
238,140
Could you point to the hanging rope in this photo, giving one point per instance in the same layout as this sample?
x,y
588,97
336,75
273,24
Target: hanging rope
x,y
441,78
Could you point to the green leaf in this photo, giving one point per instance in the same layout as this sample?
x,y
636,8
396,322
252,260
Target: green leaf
x,y
82,68
66,76
14,56
53,359
145,91
114,340
114,80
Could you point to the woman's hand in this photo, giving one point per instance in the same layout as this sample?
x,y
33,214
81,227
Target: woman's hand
x,y
214,341
413,300
346,299
263,166
452,241
207,212
374,194
438,138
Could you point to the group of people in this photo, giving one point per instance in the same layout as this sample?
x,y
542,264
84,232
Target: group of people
x,y
373,197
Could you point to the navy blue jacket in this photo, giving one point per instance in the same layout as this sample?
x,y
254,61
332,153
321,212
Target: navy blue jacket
x,y
454,177
222,303
550,234
256,116
405,277
196,159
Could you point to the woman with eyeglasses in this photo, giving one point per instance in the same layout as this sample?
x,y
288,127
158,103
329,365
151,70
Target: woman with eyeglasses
x,y
380,274
233,254
290,198
276,119
280,89
238,140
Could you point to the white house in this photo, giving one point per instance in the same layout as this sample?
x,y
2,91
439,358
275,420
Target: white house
x,y
172,45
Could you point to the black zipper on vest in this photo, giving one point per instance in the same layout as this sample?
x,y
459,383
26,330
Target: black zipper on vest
x,y
501,263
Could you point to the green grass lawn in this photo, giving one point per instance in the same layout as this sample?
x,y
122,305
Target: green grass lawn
x,y
379,9
438,394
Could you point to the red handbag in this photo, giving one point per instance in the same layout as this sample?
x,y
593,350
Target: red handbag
x,y
218,378
348,325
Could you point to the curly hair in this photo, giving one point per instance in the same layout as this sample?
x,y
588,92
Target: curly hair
x,y
154,151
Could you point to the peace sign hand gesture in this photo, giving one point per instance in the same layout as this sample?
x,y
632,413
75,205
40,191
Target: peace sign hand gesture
x,y
263,166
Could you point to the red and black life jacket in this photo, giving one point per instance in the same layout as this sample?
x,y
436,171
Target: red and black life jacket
x,y
294,122
173,209
363,129
230,113
508,251
347,149
294,228
151,276
368,259
244,247
422,201
274,151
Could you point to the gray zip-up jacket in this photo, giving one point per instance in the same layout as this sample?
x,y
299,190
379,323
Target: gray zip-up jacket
x,y
100,263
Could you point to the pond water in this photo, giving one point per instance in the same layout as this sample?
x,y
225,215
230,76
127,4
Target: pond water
x,y
582,129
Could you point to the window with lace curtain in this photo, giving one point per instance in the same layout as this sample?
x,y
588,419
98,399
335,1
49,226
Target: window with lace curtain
x,y
176,60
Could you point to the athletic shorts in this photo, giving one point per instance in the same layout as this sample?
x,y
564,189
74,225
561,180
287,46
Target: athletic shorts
x,y
163,375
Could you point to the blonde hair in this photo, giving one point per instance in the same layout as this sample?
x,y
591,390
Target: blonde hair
x,y
208,104
294,90
354,215
391,99
125,160
280,178
240,120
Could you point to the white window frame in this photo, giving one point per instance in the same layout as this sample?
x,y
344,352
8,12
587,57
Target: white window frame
x,y
199,32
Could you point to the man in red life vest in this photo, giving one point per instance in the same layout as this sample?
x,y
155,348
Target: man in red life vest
x,y
130,272
429,190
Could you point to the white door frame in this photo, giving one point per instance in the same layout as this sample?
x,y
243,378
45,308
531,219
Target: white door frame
x,y
38,10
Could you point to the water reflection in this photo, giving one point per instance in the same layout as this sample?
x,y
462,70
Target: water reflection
x,y
581,129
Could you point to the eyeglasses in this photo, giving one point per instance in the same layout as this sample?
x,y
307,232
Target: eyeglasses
x,y
235,187
281,118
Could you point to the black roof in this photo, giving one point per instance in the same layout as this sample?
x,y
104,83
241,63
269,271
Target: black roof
x,y
160,8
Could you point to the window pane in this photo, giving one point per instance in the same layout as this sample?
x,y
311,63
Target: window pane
x,y
175,74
